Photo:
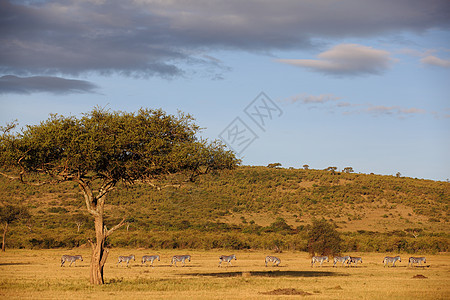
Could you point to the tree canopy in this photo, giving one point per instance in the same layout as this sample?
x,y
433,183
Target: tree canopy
x,y
113,146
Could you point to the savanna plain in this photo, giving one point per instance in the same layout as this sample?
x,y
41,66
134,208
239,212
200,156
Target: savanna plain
x,y
251,212
37,274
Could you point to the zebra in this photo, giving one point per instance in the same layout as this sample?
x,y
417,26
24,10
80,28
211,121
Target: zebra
x,y
126,259
341,259
228,259
181,258
319,259
274,260
150,258
389,259
354,260
417,260
71,258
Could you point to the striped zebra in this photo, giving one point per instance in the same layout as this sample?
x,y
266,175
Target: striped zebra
x,y
126,259
71,259
181,258
417,260
388,259
274,260
150,258
341,259
319,259
228,259
354,260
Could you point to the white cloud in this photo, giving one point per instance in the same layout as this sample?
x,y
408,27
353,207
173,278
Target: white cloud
x,y
330,102
415,52
412,110
344,104
435,61
381,109
347,59
311,99
428,57
393,110
443,114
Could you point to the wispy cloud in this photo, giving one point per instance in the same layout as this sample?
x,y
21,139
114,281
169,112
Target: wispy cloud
x,y
428,57
444,114
346,60
311,99
392,110
382,110
331,103
10,84
435,61
343,104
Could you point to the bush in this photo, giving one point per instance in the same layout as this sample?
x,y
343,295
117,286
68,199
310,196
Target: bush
x,y
323,238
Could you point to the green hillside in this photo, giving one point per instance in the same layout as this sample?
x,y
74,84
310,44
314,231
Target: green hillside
x,y
247,208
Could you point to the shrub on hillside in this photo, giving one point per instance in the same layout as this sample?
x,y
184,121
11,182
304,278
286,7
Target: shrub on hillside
x,y
323,238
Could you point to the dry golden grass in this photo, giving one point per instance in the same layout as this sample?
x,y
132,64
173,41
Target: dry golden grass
x,y
36,274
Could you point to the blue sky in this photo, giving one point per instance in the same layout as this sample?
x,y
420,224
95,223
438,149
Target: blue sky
x,y
359,83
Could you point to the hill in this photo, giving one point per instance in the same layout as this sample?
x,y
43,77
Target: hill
x,y
250,207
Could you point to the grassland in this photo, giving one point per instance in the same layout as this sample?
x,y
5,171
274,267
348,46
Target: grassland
x,y
247,208
36,274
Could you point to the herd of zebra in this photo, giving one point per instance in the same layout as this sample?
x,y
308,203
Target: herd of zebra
x,y
355,260
176,258
269,259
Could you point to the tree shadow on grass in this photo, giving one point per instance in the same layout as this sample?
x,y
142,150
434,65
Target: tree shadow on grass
x,y
15,264
270,274
165,266
154,266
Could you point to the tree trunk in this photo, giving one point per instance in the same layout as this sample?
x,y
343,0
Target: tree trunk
x,y
5,230
99,252
95,206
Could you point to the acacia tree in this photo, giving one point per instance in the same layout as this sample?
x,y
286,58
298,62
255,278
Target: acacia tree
x,y
274,165
348,170
80,219
9,214
101,149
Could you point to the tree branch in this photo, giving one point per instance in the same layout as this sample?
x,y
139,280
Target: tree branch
x,y
108,232
10,176
153,185
9,126
92,243
104,256
105,188
22,180
88,197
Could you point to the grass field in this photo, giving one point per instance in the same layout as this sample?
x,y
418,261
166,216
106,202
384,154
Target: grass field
x,y
36,274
